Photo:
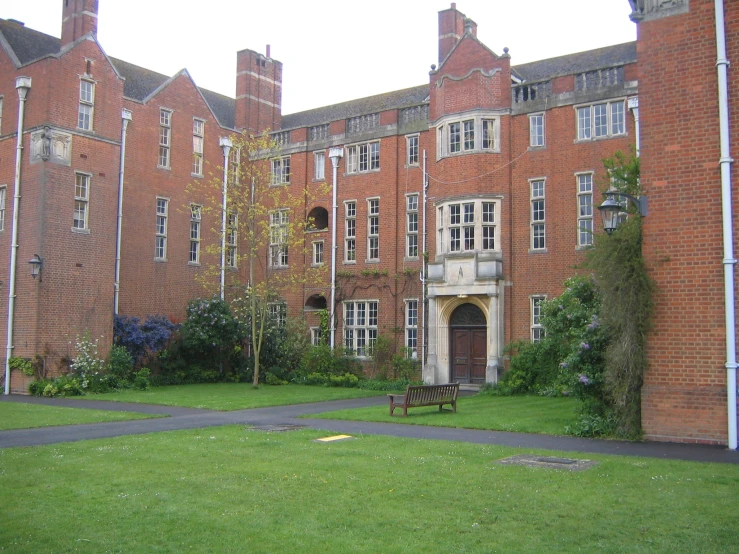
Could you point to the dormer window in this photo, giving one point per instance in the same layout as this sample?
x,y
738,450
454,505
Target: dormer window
x,y
469,135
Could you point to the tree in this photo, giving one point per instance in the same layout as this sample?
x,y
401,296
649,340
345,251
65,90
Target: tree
x,y
265,225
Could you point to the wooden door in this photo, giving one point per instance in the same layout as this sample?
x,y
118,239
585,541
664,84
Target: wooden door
x,y
461,356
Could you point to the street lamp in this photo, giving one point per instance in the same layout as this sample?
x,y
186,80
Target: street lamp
x,y
36,263
611,208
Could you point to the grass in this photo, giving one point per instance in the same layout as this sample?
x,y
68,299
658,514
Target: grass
x,y
231,396
14,415
228,489
521,414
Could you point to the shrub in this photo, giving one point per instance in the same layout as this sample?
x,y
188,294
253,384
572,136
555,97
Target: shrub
x,y
88,359
120,363
64,385
141,379
141,339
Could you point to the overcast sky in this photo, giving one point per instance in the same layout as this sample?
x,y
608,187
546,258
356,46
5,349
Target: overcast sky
x,y
331,51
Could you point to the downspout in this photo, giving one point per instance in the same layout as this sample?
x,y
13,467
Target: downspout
x,y
226,144
729,261
23,84
335,154
424,261
634,107
125,120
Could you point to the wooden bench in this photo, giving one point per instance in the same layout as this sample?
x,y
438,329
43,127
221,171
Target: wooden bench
x,y
425,395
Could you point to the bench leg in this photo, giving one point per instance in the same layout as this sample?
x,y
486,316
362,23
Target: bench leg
x,y
405,411
392,408
454,406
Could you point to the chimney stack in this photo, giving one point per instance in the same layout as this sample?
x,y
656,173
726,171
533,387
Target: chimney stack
x,y
79,17
258,92
451,29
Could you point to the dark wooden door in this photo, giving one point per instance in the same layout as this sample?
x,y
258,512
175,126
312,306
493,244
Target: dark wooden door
x,y
469,355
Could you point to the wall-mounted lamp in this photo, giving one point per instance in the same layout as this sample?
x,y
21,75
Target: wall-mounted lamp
x,y
36,263
611,209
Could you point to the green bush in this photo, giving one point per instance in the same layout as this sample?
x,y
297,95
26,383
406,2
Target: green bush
x,y
141,379
120,363
64,385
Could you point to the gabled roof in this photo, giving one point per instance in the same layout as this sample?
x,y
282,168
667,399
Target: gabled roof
x,y
577,63
27,44
371,104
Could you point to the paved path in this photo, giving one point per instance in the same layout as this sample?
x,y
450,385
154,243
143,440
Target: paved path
x,y
192,418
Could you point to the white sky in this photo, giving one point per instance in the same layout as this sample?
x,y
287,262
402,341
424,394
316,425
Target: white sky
x,y
331,51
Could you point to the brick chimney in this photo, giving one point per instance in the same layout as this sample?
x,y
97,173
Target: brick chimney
x,y
452,26
258,91
79,17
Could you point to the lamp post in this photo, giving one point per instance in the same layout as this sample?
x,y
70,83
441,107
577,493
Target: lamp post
x,y
335,154
226,144
611,209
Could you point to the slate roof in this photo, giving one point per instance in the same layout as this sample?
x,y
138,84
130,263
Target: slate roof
x,y
577,63
28,44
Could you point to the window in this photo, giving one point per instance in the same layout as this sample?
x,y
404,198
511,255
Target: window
x,y
360,327
475,134
411,326
81,201
373,229
350,231
585,209
411,238
601,120
165,137
469,226
319,159
538,236
2,207
318,253
315,336
234,163
412,149
278,235
87,102
232,236
363,157
195,213
537,331
536,130
198,132
160,241
280,171
278,314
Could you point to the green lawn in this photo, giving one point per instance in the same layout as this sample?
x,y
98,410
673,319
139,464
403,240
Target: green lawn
x,y
231,396
228,489
14,415
522,414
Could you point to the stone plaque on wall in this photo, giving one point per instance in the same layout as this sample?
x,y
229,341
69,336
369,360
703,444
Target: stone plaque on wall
x,y
51,145
646,10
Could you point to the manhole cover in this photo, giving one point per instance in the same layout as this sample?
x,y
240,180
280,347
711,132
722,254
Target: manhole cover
x,y
276,428
548,462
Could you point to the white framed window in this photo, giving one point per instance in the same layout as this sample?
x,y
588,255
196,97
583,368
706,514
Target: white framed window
x,y
86,105
602,120
536,130
278,237
315,336
278,314
360,326
234,166
584,209
165,137
81,201
3,191
411,326
232,239
411,143
160,240
537,331
468,226
319,163
411,226
195,217
318,252
363,157
373,229
280,171
198,135
475,133
350,231
538,213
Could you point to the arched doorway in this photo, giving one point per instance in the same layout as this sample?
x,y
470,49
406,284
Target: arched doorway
x,y
468,345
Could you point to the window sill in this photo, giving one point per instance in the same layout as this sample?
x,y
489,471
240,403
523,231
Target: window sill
x,y
411,258
80,231
362,172
372,261
317,265
536,148
349,262
164,167
466,152
194,264
196,175
275,185
582,247
539,251
158,260
595,139
277,267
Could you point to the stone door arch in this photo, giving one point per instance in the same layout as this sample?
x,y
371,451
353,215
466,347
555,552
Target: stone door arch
x,y
468,345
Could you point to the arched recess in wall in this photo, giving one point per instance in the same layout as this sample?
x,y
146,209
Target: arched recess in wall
x,y
316,302
453,304
318,219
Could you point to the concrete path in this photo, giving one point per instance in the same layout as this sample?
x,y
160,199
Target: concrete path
x,y
191,418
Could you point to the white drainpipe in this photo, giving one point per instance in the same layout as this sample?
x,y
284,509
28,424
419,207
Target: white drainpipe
x,y
634,107
725,163
335,154
226,144
23,84
423,268
125,119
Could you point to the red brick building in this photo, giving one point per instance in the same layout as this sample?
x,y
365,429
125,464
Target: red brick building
x,y
493,169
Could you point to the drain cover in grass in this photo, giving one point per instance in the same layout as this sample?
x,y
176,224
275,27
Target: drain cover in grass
x,y
335,438
548,462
